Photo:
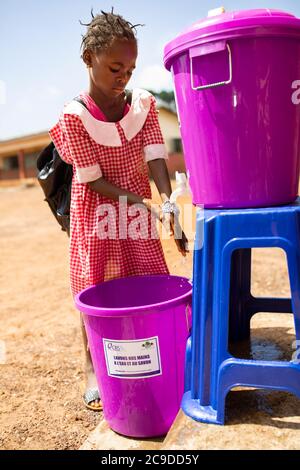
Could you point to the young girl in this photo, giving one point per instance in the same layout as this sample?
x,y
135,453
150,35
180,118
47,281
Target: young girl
x,y
110,137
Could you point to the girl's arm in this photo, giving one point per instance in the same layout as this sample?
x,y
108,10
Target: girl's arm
x,y
160,175
161,178
111,191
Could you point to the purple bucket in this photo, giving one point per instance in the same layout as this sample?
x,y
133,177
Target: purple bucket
x,y
137,328
237,87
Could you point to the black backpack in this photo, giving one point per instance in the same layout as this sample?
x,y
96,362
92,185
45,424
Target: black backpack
x,y
55,178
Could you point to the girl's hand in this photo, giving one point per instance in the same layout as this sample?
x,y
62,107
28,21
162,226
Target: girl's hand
x,y
172,225
148,203
153,207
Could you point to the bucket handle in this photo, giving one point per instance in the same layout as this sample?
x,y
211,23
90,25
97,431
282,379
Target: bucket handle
x,y
208,49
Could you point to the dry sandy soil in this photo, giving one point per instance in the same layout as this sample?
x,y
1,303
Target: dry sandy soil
x,y
41,376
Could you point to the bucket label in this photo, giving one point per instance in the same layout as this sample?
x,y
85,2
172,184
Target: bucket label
x,y
133,359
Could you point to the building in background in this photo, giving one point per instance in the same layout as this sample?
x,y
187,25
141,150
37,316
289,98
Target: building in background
x,y
18,155
170,128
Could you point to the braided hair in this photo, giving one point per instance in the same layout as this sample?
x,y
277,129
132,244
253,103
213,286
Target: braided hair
x,y
103,29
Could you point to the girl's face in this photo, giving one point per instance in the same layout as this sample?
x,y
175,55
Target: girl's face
x,y
111,70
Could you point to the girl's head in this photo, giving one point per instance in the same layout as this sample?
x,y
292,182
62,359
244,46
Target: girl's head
x,y
109,49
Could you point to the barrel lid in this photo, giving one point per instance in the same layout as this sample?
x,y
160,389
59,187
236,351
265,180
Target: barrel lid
x,y
219,22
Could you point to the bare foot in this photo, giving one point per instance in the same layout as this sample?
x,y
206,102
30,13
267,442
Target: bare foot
x,y
91,395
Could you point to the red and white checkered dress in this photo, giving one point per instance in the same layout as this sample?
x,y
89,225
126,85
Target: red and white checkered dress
x,y
102,245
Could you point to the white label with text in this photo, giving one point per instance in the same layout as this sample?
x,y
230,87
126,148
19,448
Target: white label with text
x,y
133,359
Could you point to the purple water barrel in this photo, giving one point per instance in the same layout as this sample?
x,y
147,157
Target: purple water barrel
x,y
137,329
237,87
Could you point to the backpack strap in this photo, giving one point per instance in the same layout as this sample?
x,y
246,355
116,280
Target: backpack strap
x,y
80,101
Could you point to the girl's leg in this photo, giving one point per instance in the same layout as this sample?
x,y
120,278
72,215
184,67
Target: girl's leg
x,y
90,378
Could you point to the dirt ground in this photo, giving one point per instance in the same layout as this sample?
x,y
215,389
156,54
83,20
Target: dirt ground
x,y
41,376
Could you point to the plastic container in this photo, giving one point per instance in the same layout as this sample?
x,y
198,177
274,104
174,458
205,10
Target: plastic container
x,y
137,329
182,187
235,77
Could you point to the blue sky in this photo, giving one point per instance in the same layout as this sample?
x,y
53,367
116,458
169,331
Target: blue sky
x,y
40,40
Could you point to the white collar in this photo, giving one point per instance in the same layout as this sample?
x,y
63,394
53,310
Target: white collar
x,y
106,133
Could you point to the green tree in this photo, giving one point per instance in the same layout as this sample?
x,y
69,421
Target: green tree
x,y
164,95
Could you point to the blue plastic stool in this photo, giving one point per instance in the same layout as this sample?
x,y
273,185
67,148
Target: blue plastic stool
x,y
223,305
